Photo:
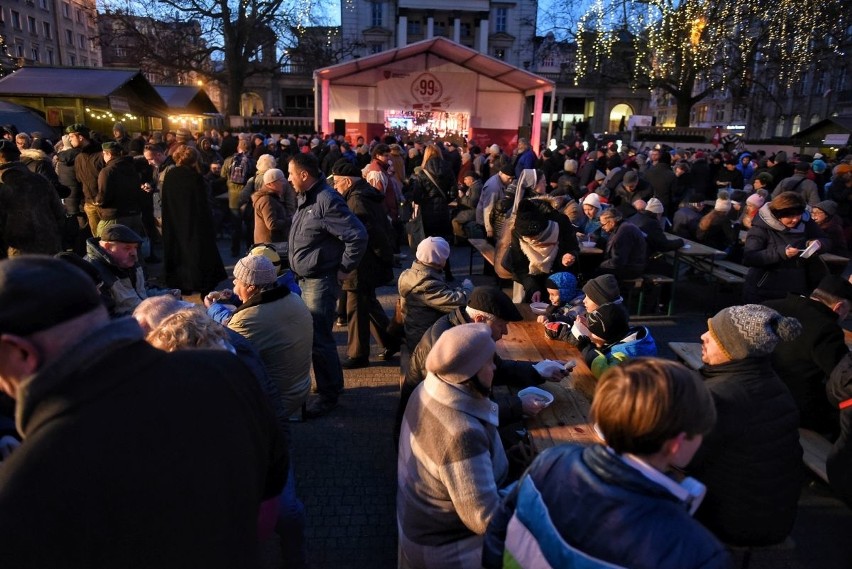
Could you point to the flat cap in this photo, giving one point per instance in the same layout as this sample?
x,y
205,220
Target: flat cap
x,y
344,167
117,233
78,128
493,301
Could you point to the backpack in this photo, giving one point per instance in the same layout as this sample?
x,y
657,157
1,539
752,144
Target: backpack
x,y
239,169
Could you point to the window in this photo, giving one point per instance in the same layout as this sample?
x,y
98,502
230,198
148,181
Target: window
x,y
415,27
82,40
43,4
49,57
465,30
66,10
79,14
72,60
35,53
19,50
69,37
378,9
797,123
16,20
500,53
439,29
2,16
501,16
32,26
48,32
376,48
120,52
719,113
779,126
84,61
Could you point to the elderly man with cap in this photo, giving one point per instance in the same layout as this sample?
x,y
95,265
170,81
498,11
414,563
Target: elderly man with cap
x,y
271,220
116,256
487,305
327,241
451,462
800,184
31,214
119,198
751,460
107,476
805,363
493,191
88,163
364,312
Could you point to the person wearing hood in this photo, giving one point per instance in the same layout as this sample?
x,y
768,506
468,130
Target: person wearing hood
x,y
779,233
825,215
543,242
779,168
364,312
745,166
120,136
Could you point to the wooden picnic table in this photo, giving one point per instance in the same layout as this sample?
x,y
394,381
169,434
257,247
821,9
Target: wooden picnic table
x,y
566,420
694,250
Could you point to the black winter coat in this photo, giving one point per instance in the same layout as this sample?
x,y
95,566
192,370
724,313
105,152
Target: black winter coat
x,y
119,189
433,197
751,462
65,174
664,183
376,266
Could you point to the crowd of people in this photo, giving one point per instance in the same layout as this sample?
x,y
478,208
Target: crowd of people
x,y
100,368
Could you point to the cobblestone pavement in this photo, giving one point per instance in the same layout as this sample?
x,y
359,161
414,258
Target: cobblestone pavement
x,y
346,462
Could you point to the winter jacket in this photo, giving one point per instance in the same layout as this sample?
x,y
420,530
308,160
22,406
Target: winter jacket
x,y
715,230
664,183
284,348
751,462
638,343
586,507
426,297
655,237
123,289
626,252
64,163
271,221
451,464
433,195
833,229
325,237
87,165
119,189
376,266
38,163
31,214
772,274
508,372
800,184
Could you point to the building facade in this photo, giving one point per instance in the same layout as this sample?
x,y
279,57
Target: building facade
x,y
51,32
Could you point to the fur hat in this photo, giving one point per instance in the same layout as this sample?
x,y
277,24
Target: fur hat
x,y
39,292
492,300
529,221
433,251
723,202
827,206
756,200
608,322
461,352
751,330
255,270
603,289
654,206
593,200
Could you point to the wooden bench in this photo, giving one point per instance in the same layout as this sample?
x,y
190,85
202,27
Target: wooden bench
x,y
721,271
688,352
816,449
484,248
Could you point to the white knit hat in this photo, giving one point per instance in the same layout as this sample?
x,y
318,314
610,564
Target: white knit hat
x,y
433,251
593,200
654,206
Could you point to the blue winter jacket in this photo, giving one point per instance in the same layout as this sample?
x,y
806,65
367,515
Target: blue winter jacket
x,y
642,344
325,237
584,507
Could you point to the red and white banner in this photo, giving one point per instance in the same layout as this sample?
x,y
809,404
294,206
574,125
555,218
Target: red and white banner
x,y
427,91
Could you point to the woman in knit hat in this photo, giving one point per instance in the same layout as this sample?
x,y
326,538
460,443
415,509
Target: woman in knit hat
x,y
543,242
779,233
753,204
424,292
825,215
451,462
751,460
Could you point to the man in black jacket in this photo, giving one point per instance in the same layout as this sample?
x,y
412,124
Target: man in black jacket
x,y
119,197
88,162
132,457
805,364
364,311
751,460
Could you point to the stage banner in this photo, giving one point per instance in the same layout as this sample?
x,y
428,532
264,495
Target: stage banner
x,y
427,91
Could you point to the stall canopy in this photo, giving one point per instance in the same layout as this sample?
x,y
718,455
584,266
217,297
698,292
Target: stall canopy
x,y
186,99
24,119
432,75
834,131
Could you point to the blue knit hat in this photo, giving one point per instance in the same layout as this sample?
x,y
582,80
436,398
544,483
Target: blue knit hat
x,y
565,283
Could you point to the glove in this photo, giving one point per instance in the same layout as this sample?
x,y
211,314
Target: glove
x,y
557,331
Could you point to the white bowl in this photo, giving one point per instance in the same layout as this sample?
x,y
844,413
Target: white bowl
x,y
539,307
546,396
587,244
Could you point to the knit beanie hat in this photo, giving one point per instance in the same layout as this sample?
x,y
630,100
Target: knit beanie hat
x,y
603,290
608,322
593,200
654,206
723,202
818,166
255,270
460,352
570,165
828,206
565,283
433,251
599,176
756,200
751,330
529,221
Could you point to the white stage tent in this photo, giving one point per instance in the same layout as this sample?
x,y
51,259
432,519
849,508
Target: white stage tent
x,y
436,74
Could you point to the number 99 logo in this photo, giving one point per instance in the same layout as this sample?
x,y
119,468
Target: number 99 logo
x,y
426,87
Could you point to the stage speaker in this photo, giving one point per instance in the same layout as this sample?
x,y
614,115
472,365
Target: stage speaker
x,y
339,127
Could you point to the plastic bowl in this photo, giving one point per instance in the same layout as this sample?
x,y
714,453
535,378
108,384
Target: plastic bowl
x,y
539,307
546,396
587,244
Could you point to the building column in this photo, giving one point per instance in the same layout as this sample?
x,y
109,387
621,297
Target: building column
x,y
402,32
483,37
457,30
430,27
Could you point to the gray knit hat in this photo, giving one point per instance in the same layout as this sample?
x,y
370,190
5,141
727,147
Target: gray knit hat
x,y
603,289
433,251
460,352
751,330
255,270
